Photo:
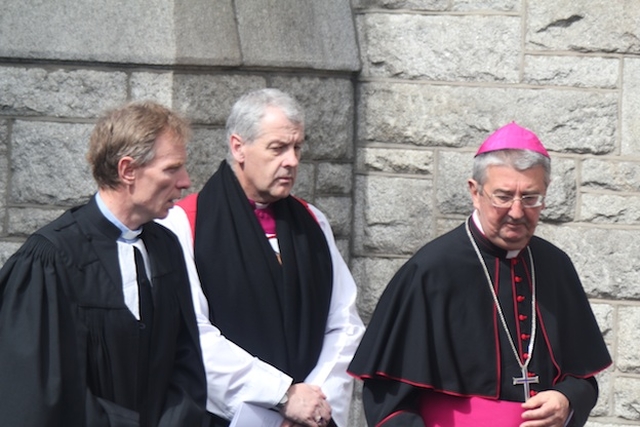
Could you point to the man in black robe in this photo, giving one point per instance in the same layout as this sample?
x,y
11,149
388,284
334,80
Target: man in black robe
x,y
486,325
97,326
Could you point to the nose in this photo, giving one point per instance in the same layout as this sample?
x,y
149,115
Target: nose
x,y
292,158
516,210
183,181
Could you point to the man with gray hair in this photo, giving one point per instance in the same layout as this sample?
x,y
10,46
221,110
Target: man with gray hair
x,y
278,323
487,325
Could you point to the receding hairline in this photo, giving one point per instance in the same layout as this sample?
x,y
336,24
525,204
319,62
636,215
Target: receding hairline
x,y
248,113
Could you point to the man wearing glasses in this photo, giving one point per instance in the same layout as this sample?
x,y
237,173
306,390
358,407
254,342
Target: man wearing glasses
x,y
487,325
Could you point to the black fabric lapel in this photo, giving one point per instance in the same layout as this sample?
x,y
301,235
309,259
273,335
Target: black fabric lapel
x,y
102,236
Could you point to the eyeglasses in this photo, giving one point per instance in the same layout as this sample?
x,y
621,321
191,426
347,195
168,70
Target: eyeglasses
x,y
506,201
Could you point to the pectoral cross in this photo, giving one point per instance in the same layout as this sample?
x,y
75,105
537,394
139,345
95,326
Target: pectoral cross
x,y
525,380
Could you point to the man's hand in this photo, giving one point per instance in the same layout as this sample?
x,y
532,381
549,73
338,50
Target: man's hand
x,y
307,406
548,408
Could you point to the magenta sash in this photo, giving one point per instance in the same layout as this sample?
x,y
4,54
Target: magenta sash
x,y
444,410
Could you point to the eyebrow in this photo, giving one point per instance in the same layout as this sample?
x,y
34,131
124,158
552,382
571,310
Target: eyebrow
x,y
524,193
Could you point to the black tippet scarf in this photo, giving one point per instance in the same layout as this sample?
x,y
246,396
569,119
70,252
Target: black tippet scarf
x,y
276,312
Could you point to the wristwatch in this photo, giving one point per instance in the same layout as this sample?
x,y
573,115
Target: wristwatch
x,y
283,401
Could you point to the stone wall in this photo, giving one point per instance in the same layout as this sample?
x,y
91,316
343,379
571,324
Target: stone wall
x,y
438,76
398,93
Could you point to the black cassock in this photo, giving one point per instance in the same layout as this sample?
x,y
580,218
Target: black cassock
x,y
70,349
436,327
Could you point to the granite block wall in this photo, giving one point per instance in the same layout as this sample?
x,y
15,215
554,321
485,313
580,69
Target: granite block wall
x,y
398,95
438,76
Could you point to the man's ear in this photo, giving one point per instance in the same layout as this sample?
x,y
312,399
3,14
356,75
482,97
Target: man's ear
x,y
474,188
127,170
236,145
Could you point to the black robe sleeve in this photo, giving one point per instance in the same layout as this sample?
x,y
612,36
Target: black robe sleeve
x,y
41,381
582,394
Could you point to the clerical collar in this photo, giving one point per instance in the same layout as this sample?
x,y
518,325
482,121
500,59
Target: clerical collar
x,y
265,215
126,235
259,205
476,222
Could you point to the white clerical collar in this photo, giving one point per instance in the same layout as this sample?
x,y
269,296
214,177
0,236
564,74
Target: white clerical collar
x,y
261,205
476,221
126,235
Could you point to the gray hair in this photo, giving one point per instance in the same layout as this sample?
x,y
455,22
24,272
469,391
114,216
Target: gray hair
x,y
247,113
520,160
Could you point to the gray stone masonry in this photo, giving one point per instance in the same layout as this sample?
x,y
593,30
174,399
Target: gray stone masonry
x,y
398,95
285,33
59,92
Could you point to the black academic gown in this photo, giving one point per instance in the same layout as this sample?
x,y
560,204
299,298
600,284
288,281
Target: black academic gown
x,y
70,347
436,328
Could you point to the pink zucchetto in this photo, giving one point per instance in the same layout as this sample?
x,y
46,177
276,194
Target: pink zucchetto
x,y
512,137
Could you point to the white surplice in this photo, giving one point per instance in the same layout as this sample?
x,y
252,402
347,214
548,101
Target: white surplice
x,y
235,376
